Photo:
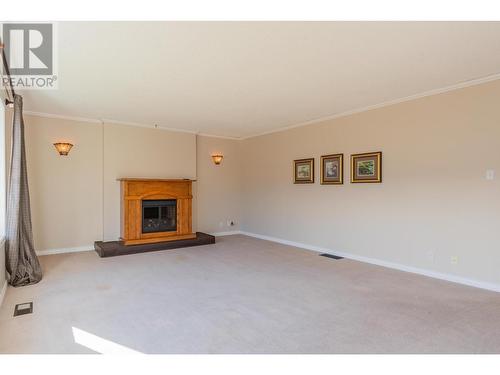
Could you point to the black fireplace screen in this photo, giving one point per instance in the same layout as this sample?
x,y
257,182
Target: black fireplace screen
x,y
159,215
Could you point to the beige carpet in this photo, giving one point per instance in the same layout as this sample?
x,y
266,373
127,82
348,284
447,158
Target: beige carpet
x,y
244,295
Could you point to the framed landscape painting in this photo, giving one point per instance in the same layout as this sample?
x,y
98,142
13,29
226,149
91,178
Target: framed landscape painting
x,y
303,171
366,167
332,171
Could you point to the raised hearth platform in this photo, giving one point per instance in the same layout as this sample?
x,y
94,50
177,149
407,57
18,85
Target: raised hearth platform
x,y
114,248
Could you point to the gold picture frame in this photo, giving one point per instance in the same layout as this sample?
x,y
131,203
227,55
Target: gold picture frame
x,y
366,167
303,171
332,169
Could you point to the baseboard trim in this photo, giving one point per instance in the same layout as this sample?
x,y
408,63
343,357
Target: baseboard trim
x,y
228,233
3,292
401,267
65,250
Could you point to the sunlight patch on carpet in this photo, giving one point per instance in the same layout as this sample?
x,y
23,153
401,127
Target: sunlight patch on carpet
x,y
98,344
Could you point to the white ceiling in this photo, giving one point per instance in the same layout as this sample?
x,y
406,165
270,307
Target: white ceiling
x,y
244,78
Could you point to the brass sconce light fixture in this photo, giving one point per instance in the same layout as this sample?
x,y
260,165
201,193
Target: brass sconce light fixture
x,y
63,148
217,158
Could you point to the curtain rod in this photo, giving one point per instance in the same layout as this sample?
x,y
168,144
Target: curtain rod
x,y
7,75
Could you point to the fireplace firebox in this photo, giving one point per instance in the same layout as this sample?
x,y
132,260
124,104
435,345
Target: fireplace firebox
x,y
159,215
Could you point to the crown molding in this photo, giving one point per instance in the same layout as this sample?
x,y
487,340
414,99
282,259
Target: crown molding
x,y
149,126
124,123
461,85
219,136
62,117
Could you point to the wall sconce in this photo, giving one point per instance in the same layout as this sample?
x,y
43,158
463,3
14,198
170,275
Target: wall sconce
x,y
63,148
217,158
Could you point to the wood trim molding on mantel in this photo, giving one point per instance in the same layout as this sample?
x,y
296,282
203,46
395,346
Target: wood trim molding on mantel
x,y
155,179
134,190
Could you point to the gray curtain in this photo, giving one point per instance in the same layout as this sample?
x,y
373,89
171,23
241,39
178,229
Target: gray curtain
x,y
20,258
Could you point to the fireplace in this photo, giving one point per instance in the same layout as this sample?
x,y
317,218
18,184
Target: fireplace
x,y
159,215
155,210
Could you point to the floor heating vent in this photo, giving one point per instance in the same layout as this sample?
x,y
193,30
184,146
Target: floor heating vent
x,y
330,256
23,309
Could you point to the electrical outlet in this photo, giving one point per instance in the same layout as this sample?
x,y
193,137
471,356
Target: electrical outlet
x,y
454,259
490,174
430,256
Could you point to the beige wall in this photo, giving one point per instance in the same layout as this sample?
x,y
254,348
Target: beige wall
x,y
65,192
75,199
433,204
83,185
218,189
131,151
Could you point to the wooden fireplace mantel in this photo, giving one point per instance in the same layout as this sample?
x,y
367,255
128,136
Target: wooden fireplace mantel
x,y
154,179
135,190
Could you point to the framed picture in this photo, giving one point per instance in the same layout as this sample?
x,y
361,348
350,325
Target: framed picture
x,y
303,171
366,167
332,171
